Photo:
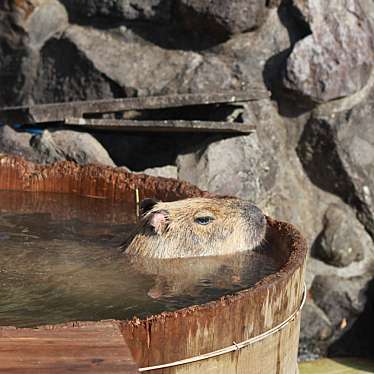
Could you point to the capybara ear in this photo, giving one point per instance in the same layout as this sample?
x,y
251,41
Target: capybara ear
x,y
147,204
158,220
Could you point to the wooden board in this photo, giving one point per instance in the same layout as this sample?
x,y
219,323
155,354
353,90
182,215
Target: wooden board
x,y
71,348
337,366
161,126
57,112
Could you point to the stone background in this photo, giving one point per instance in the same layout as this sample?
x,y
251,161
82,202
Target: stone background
x,y
311,160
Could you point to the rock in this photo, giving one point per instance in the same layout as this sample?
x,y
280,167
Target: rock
x,y
340,242
49,147
46,148
221,17
64,73
16,143
32,22
337,153
336,59
358,341
314,323
341,299
217,18
76,146
109,65
167,171
315,332
256,57
250,168
140,10
27,26
149,69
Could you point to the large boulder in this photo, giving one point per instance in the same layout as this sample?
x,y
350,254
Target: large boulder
x,y
64,73
104,63
25,27
155,10
247,163
337,152
16,143
347,306
341,299
225,17
149,69
336,59
217,18
47,147
75,146
342,240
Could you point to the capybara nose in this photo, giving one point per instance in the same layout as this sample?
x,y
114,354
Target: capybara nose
x,y
254,215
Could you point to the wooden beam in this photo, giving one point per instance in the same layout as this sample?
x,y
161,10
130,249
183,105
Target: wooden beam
x,y
87,348
161,126
57,112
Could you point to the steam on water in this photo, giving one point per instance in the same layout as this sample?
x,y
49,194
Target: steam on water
x,y
59,262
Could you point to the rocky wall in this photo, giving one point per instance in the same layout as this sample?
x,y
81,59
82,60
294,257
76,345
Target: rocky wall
x,y
310,162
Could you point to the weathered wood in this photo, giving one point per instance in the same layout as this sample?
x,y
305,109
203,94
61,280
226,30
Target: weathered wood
x,y
338,366
161,126
83,348
199,329
57,112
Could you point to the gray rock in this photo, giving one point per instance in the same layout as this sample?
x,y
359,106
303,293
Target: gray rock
x,y
110,65
337,153
340,242
46,148
64,73
314,323
50,147
256,57
76,146
16,143
219,16
335,60
87,63
149,69
341,299
195,16
244,160
25,28
155,10
167,171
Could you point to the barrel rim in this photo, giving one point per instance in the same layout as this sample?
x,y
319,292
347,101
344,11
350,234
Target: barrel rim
x,y
295,260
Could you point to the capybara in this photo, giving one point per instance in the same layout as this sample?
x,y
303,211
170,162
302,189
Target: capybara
x,y
196,227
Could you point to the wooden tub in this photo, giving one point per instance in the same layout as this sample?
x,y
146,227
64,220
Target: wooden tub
x,y
209,336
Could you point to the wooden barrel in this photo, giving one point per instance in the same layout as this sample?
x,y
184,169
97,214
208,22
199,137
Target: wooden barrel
x,y
210,336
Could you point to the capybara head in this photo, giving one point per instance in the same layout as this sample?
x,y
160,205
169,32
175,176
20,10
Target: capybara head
x,y
196,227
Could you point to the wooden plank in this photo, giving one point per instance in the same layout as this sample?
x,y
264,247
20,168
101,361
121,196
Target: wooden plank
x,y
161,126
81,348
337,366
59,111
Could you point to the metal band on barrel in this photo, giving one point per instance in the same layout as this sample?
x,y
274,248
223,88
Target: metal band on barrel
x,y
235,346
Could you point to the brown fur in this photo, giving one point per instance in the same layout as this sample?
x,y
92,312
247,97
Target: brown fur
x,y
174,229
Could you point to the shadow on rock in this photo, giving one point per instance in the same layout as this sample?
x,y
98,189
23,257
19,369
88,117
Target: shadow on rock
x,y
359,340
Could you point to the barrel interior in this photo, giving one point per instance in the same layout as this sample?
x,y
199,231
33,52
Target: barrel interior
x,y
197,330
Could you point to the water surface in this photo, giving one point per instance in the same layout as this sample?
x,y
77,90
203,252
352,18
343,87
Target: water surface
x,y
59,262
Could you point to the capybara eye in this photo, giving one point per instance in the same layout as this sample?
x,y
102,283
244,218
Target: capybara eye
x,y
203,220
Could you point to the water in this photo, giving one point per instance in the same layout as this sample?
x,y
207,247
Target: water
x,y
59,262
